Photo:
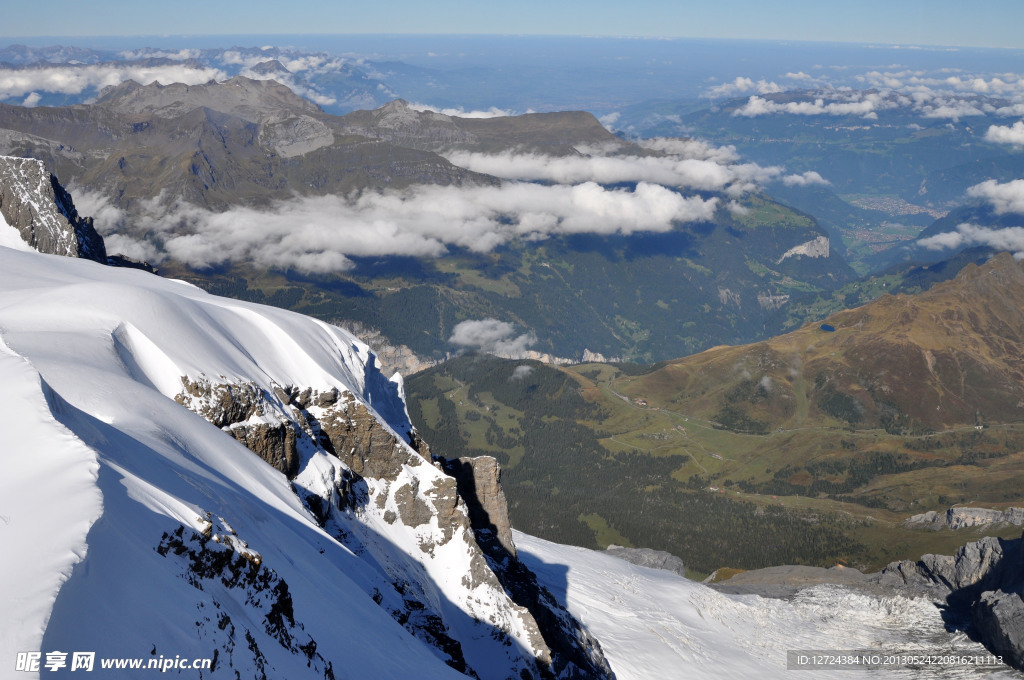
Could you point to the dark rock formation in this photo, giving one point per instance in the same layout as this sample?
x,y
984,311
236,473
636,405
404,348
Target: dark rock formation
x,y
982,584
275,444
575,653
231,406
33,202
350,432
229,573
479,482
469,503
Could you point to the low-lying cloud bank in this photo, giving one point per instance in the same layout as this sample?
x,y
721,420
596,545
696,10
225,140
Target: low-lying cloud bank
x,y
74,80
1004,198
493,112
688,164
940,94
320,234
1007,238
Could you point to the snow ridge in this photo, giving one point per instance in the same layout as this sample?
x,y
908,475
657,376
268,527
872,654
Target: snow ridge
x,y
356,553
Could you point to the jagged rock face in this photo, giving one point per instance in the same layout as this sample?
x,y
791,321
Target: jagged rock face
x,y
973,564
218,564
33,202
359,440
575,653
239,409
359,480
999,619
961,518
982,583
479,483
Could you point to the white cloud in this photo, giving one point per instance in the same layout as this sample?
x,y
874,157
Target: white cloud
x,y
120,244
738,210
492,112
690,164
1008,197
318,234
953,109
691,148
31,100
1007,238
1006,134
491,335
866,104
148,53
609,120
521,373
294,84
806,179
741,85
73,80
676,172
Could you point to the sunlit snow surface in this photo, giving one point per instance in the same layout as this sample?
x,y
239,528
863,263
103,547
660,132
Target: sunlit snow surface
x,y
99,462
655,624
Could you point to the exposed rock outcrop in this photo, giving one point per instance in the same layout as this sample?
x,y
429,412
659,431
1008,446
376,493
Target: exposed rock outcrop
x,y
222,565
646,557
350,432
981,584
357,476
479,483
962,518
33,202
817,247
575,652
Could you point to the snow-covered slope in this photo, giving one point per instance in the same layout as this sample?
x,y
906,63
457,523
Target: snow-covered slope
x,y
655,624
132,526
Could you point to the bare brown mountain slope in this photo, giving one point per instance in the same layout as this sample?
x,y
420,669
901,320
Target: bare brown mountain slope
x,y
949,357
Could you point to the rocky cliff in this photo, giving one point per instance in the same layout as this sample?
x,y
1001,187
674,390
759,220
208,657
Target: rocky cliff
x,y
359,479
33,202
980,587
962,518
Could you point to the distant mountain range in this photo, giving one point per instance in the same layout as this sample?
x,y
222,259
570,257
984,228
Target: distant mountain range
x,y
151,152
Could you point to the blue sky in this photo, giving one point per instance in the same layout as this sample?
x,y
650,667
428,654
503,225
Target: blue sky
x,y
983,23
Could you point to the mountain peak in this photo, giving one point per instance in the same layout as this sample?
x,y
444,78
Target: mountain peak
x,y
246,98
